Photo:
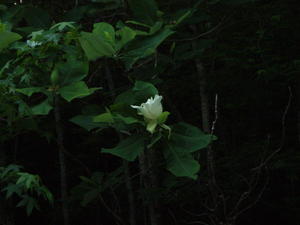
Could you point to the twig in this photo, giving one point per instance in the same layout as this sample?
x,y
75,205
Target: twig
x,y
216,116
256,200
257,170
283,133
215,28
74,158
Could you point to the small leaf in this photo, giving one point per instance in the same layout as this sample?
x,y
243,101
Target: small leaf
x,y
151,125
143,48
62,25
163,117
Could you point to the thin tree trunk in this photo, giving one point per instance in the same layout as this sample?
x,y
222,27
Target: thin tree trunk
x,y
206,127
205,112
203,96
62,161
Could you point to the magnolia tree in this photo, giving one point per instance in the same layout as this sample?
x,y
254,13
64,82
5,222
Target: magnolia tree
x,y
53,65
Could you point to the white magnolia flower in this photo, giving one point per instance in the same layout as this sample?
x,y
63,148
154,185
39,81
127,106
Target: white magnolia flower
x,y
151,109
32,44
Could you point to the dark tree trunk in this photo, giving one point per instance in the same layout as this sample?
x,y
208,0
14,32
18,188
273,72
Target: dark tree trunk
x,y
62,161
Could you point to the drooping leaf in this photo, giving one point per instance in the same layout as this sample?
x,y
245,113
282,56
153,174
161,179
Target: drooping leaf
x,y
11,189
187,138
143,48
181,164
76,90
128,148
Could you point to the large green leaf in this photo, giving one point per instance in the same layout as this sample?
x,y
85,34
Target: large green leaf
x,y
42,108
140,92
143,90
128,148
145,47
180,163
187,138
105,31
71,71
76,90
7,37
94,46
126,97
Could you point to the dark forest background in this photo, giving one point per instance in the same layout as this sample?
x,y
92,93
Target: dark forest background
x,y
228,67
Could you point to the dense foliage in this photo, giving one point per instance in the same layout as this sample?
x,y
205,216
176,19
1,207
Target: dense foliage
x,y
149,112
